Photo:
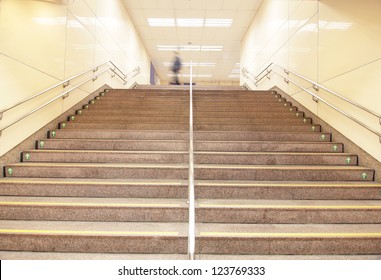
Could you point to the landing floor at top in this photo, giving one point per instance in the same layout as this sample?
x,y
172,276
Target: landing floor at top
x,y
186,87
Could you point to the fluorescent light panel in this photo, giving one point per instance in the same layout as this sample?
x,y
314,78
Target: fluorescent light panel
x,y
218,22
190,22
189,48
161,22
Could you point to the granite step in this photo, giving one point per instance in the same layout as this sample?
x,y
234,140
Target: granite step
x,y
101,156
308,239
122,134
180,171
114,144
182,145
211,189
94,209
118,188
27,255
275,127
94,237
268,146
288,190
99,171
182,135
289,211
254,158
197,119
127,126
283,173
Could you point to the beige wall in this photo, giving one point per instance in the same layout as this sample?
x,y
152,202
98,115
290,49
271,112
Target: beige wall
x,y
336,43
42,44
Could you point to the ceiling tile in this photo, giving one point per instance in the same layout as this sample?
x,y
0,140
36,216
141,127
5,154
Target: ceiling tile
x,y
241,11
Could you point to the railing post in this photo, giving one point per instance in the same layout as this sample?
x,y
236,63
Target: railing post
x,y
191,196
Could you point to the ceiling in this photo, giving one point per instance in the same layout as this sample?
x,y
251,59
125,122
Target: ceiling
x,y
215,51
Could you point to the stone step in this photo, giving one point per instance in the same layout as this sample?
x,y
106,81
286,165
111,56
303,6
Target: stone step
x,y
289,211
197,126
94,237
99,114
255,158
180,171
96,156
121,134
176,210
184,119
25,255
320,190
126,126
94,209
309,239
68,187
182,135
282,173
100,171
269,146
262,136
182,145
114,144
211,189
269,158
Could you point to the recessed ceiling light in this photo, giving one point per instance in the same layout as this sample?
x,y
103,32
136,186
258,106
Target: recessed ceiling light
x,y
167,48
190,22
211,48
189,48
218,22
161,22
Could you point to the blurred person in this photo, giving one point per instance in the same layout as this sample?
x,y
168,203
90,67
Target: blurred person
x,y
176,69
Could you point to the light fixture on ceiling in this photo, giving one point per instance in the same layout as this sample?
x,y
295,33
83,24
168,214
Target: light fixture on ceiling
x,y
211,48
161,22
218,22
189,48
190,22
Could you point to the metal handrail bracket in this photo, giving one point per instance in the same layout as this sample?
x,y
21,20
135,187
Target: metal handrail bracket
x,y
191,195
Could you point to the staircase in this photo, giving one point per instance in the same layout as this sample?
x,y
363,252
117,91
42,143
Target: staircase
x,y
111,183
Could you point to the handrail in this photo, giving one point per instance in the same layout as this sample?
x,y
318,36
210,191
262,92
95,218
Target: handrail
x,y
65,83
50,88
332,92
316,97
191,195
49,102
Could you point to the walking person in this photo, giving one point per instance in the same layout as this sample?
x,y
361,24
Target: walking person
x,y
176,69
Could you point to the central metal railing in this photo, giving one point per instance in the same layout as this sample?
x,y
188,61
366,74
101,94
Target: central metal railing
x,y
191,195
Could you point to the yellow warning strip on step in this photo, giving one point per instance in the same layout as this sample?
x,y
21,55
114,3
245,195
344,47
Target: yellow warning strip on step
x,y
25,203
291,234
292,206
87,232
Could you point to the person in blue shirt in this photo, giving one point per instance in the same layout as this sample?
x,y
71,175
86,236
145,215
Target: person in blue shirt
x,y
176,69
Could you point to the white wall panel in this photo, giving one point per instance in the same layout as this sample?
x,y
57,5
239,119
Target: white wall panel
x,y
335,43
33,33
350,35
43,43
